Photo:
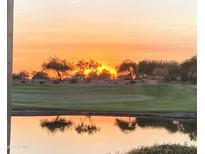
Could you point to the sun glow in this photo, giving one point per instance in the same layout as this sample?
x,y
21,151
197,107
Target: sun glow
x,y
102,69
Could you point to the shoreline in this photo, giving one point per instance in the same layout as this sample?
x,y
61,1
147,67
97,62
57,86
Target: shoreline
x,y
52,112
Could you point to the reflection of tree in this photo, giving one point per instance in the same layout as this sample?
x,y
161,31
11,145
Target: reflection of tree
x,y
186,127
57,124
83,128
90,128
189,128
60,124
157,123
126,126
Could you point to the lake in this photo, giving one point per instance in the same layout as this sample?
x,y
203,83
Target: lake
x,y
95,134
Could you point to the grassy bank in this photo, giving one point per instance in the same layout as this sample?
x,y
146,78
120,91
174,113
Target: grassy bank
x,y
165,149
139,98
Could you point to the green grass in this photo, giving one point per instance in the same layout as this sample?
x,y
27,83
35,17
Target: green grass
x,y
140,98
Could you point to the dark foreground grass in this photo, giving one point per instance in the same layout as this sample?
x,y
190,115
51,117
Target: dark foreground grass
x,y
165,149
138,98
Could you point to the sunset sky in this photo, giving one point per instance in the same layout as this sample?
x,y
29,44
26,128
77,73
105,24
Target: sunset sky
x,y
107,31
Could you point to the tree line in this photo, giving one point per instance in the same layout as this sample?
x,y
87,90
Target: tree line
x,y
126,70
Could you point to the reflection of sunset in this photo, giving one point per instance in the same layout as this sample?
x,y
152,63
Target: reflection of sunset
x,y
105,31
27,131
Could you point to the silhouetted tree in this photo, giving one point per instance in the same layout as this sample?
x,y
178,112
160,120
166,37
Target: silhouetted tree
x,y
22,75
57,65
83,65
40,75
172,71
127,68
188,70
105,75
147,66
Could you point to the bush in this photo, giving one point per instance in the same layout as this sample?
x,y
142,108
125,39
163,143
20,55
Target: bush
x,y
22,75
165,149
40,75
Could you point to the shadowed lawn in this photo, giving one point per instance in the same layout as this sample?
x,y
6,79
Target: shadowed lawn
x,y
140,98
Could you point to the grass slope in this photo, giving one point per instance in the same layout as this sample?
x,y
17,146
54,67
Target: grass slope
x,y
134,97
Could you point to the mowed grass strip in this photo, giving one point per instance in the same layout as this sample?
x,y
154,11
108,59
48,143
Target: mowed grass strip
x,y
138,98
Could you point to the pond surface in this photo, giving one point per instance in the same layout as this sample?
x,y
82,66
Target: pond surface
x,y
95,134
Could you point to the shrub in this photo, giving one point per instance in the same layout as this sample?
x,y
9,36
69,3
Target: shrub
x,y
40,75
165,149
22,75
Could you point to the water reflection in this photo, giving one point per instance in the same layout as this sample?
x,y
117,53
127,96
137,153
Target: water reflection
x,y
56,124
157,123
189,128
87,125
185,127
126,126
77,134
89,128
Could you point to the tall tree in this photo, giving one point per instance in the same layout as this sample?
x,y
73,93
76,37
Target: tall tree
x,y
60,66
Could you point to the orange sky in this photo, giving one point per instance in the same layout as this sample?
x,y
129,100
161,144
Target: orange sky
x,y
107,31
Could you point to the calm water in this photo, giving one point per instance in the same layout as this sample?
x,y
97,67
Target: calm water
x,y
94,134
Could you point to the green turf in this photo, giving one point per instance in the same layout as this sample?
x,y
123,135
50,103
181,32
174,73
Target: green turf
x,y
141,98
